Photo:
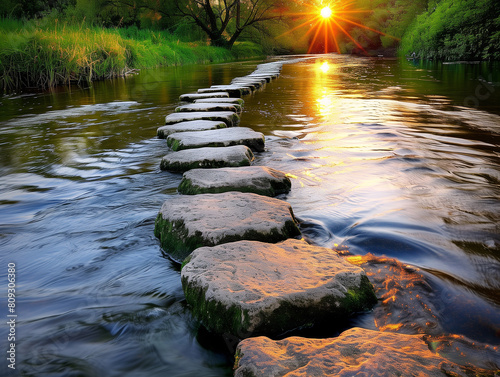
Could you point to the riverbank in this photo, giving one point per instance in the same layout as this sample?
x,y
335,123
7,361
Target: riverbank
x,y
41,56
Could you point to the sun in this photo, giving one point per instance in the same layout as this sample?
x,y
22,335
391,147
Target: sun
x,y
326,12
328,23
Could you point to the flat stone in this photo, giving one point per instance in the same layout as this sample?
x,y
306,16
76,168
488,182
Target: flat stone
x,y
235,108
191,97
267,77
193,125
207,158
257,82
236,101
186,223
251,288
230,118
235,91
356,352
224,137
257,179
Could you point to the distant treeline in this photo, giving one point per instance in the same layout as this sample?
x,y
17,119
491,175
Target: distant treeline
x,y
52,42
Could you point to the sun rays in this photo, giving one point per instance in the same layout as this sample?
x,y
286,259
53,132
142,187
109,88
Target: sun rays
x,y
327,22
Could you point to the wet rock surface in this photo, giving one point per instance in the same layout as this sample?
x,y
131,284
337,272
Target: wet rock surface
x,y
214,106
191,97
252,288
217,138
356,352
257,179
194,125
186,223
237,101
207,158
235,91
228,117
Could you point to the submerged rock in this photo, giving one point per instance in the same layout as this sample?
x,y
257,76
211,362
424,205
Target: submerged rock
x,y
214,106
217,138
193,125
191,97
230,118
206,158
253,288
257,179
189,222
356,352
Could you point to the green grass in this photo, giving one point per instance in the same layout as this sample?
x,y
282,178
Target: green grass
x,y
37,55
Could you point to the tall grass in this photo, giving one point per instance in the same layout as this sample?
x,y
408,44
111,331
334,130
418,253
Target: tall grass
x,y
40,56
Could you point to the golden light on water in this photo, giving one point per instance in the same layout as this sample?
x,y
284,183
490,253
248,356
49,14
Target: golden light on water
x,y
325,67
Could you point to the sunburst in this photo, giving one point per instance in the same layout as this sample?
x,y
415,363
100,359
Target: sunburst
x,y
327,21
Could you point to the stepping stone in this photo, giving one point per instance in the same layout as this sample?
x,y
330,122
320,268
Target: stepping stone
x,y
209,107
255,83
230,118
355,352
257,179
191,97
225,137
250,288
193,125
234,91
207,158
267,76
186,223
236,101
244,79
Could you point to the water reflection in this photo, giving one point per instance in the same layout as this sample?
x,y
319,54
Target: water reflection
x,y
384,159
385,167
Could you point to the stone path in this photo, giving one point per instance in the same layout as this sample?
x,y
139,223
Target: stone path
x,y
253,288
356,352
230,118
257,179
214,106
181,161
191,97
188,222
217,138
193,125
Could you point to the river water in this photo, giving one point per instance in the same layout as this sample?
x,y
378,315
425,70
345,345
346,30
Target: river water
x,y
387,157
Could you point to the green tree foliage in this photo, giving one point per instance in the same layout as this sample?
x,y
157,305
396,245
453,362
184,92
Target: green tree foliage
x,y
383,22
224,21
31,8
456,30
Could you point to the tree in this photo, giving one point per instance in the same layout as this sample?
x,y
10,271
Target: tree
x,y
224,20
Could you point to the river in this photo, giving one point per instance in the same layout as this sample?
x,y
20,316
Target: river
x,y
387,157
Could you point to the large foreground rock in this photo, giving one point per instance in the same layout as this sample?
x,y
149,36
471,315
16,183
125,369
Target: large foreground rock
x,y
356,352
230,118
193,125
206,158
250,288
188,222
257,179
217,138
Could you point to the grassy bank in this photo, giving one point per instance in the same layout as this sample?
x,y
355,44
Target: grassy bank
x,y
37,55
